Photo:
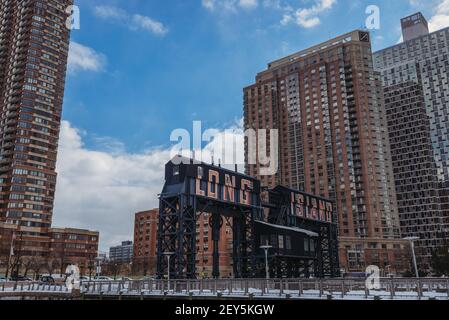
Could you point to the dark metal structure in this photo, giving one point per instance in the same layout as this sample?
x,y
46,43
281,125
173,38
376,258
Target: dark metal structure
x,y
192,188
313,217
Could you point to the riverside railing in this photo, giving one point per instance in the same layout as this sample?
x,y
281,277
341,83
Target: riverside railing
x,y
32,287
398,288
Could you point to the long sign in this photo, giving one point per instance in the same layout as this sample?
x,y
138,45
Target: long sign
x,y
225,186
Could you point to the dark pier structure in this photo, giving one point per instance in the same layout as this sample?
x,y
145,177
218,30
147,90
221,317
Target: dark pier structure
x,y
299,228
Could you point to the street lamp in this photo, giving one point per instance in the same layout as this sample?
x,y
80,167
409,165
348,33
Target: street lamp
x,y
168,255
266,248
412,245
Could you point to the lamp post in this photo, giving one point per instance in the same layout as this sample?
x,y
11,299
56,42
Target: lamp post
x,y
168,255
267,271
412,245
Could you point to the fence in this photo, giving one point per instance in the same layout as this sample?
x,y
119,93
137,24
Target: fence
x,y
274,288
34,290
238,288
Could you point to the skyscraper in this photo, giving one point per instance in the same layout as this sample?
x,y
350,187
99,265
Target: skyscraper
x,y
415,78
327,103
34,43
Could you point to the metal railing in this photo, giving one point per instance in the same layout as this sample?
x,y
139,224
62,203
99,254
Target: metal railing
x,y
398,288
32,286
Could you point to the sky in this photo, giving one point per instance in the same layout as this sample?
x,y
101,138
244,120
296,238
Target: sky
x,y
139,69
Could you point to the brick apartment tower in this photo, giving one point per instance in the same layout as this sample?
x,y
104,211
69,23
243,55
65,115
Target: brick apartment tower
x,y
415,77
34,44
145,242
327,103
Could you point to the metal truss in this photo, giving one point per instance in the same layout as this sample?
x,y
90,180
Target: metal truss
x,y
177,235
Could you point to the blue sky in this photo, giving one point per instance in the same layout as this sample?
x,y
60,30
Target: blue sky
x,y
153,83
141,68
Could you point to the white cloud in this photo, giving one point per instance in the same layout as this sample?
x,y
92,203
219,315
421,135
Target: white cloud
x,y
308,17
249,4
273,4
145,23
440,12
101,190
229,5
84,58
440,19
109,12
134,22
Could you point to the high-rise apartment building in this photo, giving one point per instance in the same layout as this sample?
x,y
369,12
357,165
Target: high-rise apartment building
x,y
34,45
327,104
415,75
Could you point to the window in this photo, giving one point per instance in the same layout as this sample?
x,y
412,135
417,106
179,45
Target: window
x,y
312,246
281,242
176,171
306,245
288,243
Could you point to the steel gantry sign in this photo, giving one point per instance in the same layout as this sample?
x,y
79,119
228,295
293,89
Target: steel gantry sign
x,y
195,190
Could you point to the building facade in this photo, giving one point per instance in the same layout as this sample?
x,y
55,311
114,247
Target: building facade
x,y
74,246
391,256
145,242
122,253
34,45
205,244
327,104
415,78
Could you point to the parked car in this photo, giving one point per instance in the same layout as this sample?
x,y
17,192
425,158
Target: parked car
x,y
84,278
47,280
20,278
356,275
102,278
2,279
124,279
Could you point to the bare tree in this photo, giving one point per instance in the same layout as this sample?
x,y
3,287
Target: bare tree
x,y
36,265
91,265
15,260
114,269
51,266
61,260
27,264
